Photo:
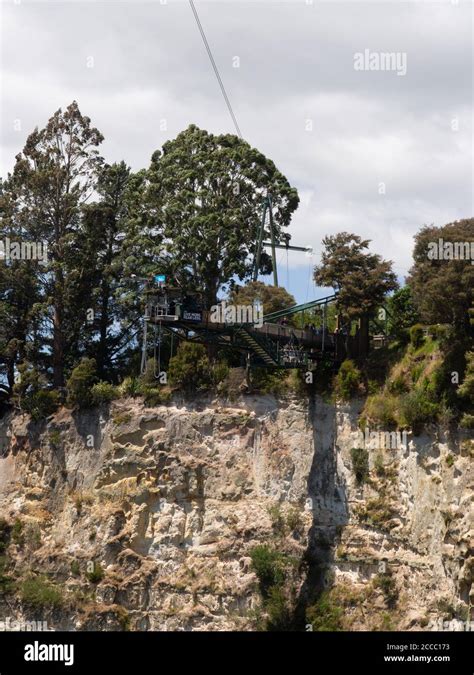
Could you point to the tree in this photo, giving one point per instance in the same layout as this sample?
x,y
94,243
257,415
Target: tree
x,y
361,279
18,294
103,229
205,194
53,176
271,298
441,282
402,312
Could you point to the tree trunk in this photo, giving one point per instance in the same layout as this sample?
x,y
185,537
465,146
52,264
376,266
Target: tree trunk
x,y
58,335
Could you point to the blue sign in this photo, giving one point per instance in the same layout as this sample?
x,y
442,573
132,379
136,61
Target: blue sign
x,y
160,278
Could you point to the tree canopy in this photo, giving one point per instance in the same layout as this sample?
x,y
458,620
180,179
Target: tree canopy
x,y
360,278
443,285
205,193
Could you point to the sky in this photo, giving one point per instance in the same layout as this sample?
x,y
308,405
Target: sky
x,y
375,151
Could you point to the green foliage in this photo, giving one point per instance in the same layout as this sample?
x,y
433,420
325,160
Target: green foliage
x,y
96,574
362,279
55,438
379,466
278,610
417,337
75,568
129,387
377,512
388,586
416,409
32,394
450,459
443,289
466,390
382,409
324,614
360,464
39,593
467,421
122,418
347,380
6,581
220,371
80,384
190,369
267,565
154,396
208,192
103,392
17,533
271,298
52,179
402,313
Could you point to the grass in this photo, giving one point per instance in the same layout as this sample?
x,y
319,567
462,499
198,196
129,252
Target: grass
x,y
360,464
411,394
96,574
325,614
38,592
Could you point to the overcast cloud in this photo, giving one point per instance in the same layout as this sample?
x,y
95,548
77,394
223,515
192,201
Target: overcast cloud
x,y
413,132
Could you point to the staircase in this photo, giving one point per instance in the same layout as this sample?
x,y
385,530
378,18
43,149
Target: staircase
x,y
267,355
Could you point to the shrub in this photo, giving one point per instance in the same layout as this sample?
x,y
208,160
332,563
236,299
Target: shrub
x,y
190,368
348,380
325,615
360,464
376,512
220,371
80,384
5,530
75,568
32,394
381,408
269,381
55,438
467,421
267,566
450,460
122,418
6,582
387,585
39,592
417,337
155,395
416,409
129,387
96,574
103,392
41,404
18,536
398,385
278,610
379,466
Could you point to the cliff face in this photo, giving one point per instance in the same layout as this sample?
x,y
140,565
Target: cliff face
x,y
145,518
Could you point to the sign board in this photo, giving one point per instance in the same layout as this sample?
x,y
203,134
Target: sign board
x,y
192,316
160,278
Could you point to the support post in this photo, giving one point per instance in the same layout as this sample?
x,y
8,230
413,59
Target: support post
x,y
272,239
258,252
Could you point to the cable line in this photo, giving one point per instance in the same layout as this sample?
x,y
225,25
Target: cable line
x,y
216,71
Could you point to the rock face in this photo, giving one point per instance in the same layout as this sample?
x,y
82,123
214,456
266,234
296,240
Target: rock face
x,y
146,517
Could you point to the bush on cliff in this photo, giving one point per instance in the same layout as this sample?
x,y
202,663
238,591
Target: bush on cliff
x,y
80,384
190,369
38,592
32,395
347,381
